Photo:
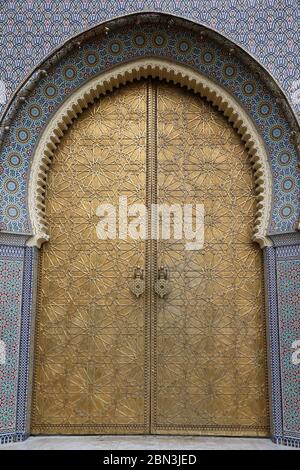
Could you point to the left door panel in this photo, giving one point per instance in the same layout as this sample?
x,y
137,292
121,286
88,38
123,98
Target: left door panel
x,y
91,355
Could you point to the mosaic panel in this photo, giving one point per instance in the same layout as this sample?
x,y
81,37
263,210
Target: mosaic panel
x,y
288,282
11,272
275,394
26,341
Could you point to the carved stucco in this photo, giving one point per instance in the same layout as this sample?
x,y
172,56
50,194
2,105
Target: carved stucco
x,y
122,74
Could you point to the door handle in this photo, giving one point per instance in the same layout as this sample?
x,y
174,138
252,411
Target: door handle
x,y
137,284
161,285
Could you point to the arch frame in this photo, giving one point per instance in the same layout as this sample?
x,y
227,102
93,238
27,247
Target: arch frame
x,y
120,75
115,43
277,233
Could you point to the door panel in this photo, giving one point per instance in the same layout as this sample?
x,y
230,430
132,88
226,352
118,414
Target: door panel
x,y
90,375
192,362
210,358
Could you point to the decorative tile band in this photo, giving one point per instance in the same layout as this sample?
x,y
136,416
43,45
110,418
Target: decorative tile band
x,y
13,239
14,437
26,340
290,251
286,239
274,372
287,441
7,438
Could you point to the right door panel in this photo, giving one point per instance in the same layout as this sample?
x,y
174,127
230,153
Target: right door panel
x,y
209,357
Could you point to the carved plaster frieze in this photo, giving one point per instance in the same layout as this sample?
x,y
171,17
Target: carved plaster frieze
x,y
120,75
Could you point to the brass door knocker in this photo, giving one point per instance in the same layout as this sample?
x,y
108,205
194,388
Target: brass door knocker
x,y
161,286
137,284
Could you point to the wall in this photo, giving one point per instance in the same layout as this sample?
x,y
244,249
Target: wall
x,y
32,29
268,29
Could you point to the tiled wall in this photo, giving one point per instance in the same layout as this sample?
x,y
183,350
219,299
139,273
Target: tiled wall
x,y
178,44
288,285
268,29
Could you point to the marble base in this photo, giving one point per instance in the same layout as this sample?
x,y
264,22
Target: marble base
x,y
142,443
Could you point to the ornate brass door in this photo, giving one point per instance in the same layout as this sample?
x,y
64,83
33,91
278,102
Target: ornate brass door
x,y
92,373
189,362
209,357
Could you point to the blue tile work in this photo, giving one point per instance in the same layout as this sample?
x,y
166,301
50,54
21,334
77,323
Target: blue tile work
x,y
26,342
275,394
288,285
11,275
282,271
127,43
282,280
267,29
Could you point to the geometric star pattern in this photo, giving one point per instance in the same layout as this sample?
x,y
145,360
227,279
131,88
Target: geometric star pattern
x,y
207,339
89,374
210,359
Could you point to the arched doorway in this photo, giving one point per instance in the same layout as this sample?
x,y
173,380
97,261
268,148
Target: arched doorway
x,y
193,361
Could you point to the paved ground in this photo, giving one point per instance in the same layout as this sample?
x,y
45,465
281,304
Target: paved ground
x,y
142,442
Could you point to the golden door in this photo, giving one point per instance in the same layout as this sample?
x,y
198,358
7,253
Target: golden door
x,y
192,361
